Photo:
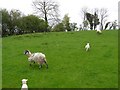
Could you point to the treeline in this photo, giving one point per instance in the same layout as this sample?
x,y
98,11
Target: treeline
x,y
15,23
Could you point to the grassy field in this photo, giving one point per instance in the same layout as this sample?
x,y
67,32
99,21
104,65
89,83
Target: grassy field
x,y
70,66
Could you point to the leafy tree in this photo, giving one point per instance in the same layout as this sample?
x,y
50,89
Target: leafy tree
x,y
5,21
66,22
5,16
93,20
9,21
14,23
85,24
90,18
32,23
59,27
14,19
73,26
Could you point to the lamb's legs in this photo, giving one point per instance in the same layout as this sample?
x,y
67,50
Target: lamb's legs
x,y
40,66
31,62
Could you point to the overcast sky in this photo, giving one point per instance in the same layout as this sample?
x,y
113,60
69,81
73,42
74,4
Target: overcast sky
x,y
72,7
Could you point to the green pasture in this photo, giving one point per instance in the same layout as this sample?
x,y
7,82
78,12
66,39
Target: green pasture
x,y
70,66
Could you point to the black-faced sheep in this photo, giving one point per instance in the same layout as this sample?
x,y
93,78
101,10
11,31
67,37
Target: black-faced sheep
x,y
36,57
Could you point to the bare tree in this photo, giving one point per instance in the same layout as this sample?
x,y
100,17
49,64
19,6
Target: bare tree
x,y
84,10
47,9
103,12
96,18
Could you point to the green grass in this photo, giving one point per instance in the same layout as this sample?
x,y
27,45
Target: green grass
x,y
70,66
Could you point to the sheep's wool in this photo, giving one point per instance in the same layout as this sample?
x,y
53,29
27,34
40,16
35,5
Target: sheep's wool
x,y
37,56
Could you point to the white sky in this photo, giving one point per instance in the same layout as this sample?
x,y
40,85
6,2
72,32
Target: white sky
x,y
72,7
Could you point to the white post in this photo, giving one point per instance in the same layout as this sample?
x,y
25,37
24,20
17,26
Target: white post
x,y
119,14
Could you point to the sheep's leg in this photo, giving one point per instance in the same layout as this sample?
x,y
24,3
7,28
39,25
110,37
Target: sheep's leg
x,y
46,64
30,64
34,62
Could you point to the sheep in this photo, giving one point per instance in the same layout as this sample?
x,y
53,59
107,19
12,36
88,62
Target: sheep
x,y
87,46
24,84
36,57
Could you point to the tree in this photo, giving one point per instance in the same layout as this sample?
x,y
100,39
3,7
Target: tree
x,y
90,18
103,16
32,23
106,25
59,27
14,19
85,24
48,10
73,26
14,22
114,24
84,10
5,16
93,20
66,22
5,21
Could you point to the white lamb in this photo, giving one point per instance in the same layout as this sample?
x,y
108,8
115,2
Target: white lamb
x,y
87,46
24,84
36,57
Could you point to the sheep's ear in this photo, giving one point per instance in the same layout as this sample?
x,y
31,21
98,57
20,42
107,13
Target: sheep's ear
x,y
26,79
